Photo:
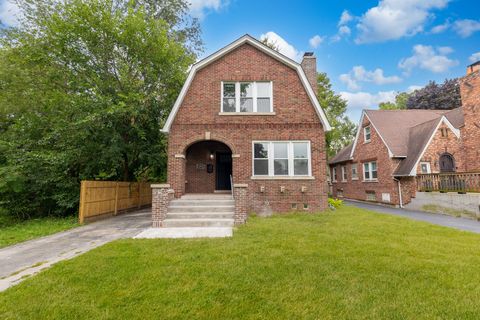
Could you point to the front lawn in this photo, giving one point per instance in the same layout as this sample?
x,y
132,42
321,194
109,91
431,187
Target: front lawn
x,y
12,232
351,264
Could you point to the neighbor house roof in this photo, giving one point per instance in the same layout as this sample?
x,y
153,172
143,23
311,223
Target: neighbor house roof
x,y
405,133
262,47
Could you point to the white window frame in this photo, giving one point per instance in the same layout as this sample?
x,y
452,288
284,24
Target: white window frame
x,y
271,158
344,173
365,140
334,174
370,171
354,176
429,169
237,97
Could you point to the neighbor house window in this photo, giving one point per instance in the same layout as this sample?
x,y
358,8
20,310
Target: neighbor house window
x,y
425,167
334,174
344,173
247,97
370,171
367,134
281,158
354,171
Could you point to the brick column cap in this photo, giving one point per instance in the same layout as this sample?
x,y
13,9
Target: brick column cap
x,y
240,185
160,186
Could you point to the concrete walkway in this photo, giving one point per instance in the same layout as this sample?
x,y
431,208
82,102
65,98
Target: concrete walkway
x,y
435,218
27,258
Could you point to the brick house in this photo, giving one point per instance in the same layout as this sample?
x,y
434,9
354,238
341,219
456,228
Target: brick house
x,y
248,115
392,147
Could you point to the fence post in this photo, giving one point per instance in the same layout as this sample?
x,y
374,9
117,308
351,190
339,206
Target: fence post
x,y
81,209
115,211
139,196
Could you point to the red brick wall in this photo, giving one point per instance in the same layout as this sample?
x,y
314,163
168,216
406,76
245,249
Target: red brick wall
x,y
375,150
440,145
470,92
295,119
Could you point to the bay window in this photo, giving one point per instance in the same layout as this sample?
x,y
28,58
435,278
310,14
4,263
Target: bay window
x,y
247,97
281,158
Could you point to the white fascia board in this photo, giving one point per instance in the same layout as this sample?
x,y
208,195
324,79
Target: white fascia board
x,y
390,153
357,135
359,131
257,44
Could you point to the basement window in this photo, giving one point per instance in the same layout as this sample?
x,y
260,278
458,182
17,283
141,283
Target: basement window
x,y
371,196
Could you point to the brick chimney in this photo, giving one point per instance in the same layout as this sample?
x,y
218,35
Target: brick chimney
x,y
470,93
309,66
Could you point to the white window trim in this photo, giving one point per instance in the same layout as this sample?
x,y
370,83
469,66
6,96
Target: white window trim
x,y
290,159
370,179
334,174
254,98
429,169
356,171
365,140
344,171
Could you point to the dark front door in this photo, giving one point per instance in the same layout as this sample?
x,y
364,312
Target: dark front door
x,y
224,170
447,164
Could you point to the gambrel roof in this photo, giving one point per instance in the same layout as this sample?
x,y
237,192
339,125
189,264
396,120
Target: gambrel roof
x,y
262,47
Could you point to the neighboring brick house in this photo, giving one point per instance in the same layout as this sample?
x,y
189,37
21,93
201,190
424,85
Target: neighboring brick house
x,y
393,146
251,113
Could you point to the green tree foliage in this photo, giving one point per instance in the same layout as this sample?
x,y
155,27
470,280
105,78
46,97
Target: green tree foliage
x,y
400,103
84,88
343,129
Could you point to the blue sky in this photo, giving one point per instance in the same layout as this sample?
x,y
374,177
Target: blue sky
x,y
369,49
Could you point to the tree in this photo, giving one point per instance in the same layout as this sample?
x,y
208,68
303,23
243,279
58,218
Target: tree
x,y
444,96
400,102
84,88
343,129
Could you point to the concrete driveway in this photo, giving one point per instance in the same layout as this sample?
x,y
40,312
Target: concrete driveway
x,y
24,259
435,218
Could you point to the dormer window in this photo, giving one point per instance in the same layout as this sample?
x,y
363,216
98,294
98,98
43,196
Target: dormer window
x,y
366,134
247,97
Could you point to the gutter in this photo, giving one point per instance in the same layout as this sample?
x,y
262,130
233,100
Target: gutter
x,y
399,192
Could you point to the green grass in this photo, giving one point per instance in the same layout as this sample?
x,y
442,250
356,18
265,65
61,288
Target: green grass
x,y
449,211
12,232
349,264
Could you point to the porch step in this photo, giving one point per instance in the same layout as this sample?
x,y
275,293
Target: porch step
x,y
209,232
200,215
182,223
202,202
198,208
206,196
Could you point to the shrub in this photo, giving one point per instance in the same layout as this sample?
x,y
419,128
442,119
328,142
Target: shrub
x,y
334,203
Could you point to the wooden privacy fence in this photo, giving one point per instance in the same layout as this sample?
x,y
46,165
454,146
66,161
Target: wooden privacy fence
x,y
449,182
99,198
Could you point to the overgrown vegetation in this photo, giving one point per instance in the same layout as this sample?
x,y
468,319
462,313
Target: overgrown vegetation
x,y
335,203
435,208
350,264
84,88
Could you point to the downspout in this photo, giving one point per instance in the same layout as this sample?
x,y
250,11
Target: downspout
x,y
399,192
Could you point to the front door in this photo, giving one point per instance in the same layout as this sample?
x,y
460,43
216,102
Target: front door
x,y
224,170
447,164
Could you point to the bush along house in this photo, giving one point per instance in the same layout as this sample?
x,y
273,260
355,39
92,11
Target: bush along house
x,y
246,134
397,152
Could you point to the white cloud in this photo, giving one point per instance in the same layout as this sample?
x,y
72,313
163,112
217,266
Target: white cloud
x,y
475,57
360,74
199,8
345,18
9,13
284,47
315,41
467,27
344,30
440,28
362,100
428,58
394,19
410,89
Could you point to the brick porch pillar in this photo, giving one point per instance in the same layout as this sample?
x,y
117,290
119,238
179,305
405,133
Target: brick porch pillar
x,y
161,196
240,196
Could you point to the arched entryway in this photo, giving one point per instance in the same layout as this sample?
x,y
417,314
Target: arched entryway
x,y
447,163
208,167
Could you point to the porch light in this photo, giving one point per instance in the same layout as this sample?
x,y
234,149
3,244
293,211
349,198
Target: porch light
x,y
212,155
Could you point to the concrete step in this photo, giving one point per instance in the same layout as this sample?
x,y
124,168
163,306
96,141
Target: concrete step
x,y
207,196
152,233
190,202
200,215
182,223
175,208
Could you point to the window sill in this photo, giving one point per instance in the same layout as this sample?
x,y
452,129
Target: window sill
x,y
246,113
354,179
344,181
370,181
282,178
366,142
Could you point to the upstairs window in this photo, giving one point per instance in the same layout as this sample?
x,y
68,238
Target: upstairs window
x,y
247,97
367,134
370,171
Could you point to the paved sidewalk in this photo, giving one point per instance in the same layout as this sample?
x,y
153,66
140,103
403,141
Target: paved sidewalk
x,y
27,258
435,218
